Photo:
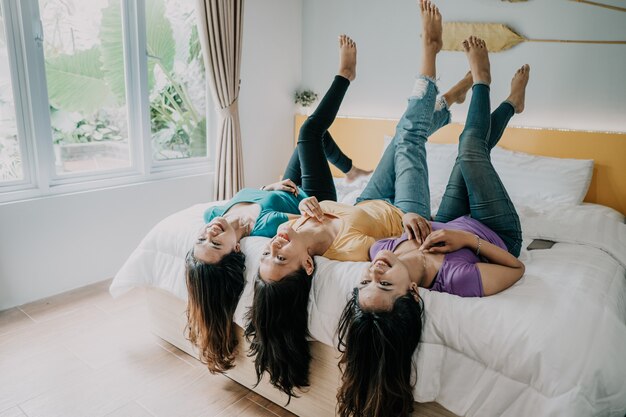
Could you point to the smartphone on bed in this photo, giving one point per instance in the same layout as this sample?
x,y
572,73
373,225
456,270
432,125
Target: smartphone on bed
x,y
540,244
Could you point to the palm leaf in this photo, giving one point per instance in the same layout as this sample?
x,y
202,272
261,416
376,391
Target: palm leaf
x,y
76,82
160,39
198,139
111,36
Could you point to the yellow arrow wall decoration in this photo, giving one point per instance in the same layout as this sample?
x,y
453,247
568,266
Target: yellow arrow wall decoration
x,y
498,37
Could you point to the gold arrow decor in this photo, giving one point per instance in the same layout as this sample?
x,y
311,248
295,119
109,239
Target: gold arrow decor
x,y
498,37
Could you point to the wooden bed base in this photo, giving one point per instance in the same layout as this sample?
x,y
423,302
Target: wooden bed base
x,y
168,319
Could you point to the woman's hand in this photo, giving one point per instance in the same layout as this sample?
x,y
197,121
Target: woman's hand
x,y
311,207
447,240
284,185
415,226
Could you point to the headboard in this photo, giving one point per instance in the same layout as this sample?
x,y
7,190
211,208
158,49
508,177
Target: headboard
x,y
363,139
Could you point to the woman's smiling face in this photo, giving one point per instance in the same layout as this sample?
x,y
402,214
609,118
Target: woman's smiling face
x,y
284,254
215,240
383,281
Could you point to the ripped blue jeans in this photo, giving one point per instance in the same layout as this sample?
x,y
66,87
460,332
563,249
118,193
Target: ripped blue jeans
x,y
401,177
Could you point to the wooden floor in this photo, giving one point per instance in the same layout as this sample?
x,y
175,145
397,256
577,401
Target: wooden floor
x,y
85,354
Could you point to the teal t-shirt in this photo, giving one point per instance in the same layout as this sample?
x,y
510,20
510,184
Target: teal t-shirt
x,y
274,205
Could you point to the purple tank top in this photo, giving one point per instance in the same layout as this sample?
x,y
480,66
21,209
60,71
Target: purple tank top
x,y
458,274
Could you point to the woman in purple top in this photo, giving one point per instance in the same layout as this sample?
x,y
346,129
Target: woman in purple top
x,y
470,250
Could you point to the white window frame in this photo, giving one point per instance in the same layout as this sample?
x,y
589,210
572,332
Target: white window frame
x,y
28,79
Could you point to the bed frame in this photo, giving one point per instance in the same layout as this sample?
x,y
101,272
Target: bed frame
x,y
363,140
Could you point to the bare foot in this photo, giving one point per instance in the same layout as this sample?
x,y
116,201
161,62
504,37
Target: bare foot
x,y
355,173
431,27
478,58
347,57
458,91
518,88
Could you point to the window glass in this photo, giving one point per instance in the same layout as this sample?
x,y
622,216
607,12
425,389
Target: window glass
x,y
84,54
176,80
10,158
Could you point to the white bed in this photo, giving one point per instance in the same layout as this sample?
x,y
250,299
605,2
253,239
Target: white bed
x,y
552,345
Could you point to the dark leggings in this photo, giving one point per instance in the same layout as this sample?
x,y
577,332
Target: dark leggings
x,y
474,186
308,167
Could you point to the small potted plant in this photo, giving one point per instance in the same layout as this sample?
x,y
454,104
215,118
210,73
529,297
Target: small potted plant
x,y
304,99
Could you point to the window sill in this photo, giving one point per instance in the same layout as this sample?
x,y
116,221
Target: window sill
x,y
55,190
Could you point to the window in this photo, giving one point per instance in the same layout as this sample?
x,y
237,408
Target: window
x,y
177,82
10,154
84,61
113,91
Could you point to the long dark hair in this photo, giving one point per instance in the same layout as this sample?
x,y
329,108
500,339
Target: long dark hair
x,y
277,330
376,358
214,291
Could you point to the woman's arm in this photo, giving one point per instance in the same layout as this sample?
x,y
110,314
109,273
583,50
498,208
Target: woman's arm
x,y
284,185
503,270
415,226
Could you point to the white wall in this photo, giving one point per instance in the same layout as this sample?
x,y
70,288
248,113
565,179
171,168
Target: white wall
x,y
572,85
50,245
270,75
54,244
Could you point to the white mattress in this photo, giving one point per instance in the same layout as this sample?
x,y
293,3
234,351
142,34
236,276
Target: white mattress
x,y
554,344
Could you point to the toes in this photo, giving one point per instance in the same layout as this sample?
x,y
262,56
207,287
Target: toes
x,y
466,45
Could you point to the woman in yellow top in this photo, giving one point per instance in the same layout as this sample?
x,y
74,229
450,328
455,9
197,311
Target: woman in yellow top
x,y
278,320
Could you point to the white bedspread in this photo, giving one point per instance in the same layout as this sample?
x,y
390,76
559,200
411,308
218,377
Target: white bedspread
x,y
552,345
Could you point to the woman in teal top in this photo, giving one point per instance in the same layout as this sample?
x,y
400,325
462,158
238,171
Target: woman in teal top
x,y
274,206
215,265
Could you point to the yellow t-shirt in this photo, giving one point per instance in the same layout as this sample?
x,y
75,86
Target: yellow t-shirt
x,y
363,224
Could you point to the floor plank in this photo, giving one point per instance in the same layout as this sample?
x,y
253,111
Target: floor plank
x,y
12,320
245,408
13,412
130,410
68,302
207,395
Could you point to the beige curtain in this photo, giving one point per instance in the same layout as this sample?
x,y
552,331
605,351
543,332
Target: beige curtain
x,y
220,28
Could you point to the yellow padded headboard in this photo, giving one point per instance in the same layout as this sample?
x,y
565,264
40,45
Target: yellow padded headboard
x,y
363,140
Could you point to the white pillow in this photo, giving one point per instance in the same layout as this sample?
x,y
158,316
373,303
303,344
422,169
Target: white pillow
x,y
531,180
347,193
537,181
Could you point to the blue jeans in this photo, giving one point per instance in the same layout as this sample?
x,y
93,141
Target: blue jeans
x,y
401,177
474,186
